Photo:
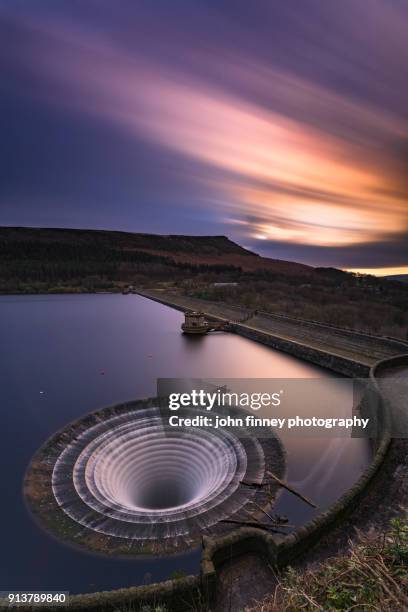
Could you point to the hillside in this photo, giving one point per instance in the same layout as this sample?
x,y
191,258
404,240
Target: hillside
x,y
30,252
207,267
402,278
207,245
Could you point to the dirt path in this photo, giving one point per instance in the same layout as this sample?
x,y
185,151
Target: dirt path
x,y
243,582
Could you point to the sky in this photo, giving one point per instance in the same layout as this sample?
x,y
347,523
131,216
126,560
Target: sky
x,y
283,125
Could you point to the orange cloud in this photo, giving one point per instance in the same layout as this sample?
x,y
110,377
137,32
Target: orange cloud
x,y
288,179
381,271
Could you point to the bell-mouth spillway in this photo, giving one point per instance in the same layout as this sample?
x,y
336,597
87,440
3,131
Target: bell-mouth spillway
x,y
122,481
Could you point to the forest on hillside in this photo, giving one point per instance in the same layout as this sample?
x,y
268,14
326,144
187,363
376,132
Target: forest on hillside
x,y
364,303
106,261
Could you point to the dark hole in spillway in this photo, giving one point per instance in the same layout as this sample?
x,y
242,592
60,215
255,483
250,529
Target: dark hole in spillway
x,y
162,494
130,477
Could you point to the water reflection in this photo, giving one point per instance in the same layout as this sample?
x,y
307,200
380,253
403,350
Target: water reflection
x,y
64,356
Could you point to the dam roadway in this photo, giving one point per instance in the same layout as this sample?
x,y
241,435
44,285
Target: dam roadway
x,y
344,351
384,495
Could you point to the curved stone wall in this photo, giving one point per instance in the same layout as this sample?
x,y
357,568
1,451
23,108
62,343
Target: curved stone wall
x,y
388,364
280,550
192,591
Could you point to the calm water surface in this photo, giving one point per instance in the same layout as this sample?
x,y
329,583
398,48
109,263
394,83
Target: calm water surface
x,y
63,356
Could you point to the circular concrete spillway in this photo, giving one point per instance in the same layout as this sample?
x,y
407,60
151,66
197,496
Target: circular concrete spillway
x,y
126,478
141,473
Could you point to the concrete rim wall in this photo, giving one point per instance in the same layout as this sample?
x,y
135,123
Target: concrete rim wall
x,y
279,550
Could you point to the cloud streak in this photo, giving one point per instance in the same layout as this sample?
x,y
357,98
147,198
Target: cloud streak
x,y
283,158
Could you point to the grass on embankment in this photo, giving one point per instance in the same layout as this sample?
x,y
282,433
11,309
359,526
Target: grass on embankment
x,y
371,575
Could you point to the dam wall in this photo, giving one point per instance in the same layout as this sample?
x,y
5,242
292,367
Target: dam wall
x,y
343,351
198,592
280,550
388,365
386,342
336,363
340,364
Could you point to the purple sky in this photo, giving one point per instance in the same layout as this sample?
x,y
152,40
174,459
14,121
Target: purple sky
x,y
283,125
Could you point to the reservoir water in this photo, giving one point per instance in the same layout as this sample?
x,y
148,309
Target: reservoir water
x,y
65,355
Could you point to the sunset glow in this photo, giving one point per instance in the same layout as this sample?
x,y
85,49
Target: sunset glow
x,y
381,271
265,151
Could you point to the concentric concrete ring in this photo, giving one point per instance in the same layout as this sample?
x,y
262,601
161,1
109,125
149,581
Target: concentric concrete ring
x,y
124,475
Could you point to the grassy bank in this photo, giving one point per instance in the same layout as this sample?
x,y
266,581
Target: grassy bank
x,y
371,575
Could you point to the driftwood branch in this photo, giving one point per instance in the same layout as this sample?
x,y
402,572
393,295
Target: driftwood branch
x,y
273,519
285,485
254,524
282,483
